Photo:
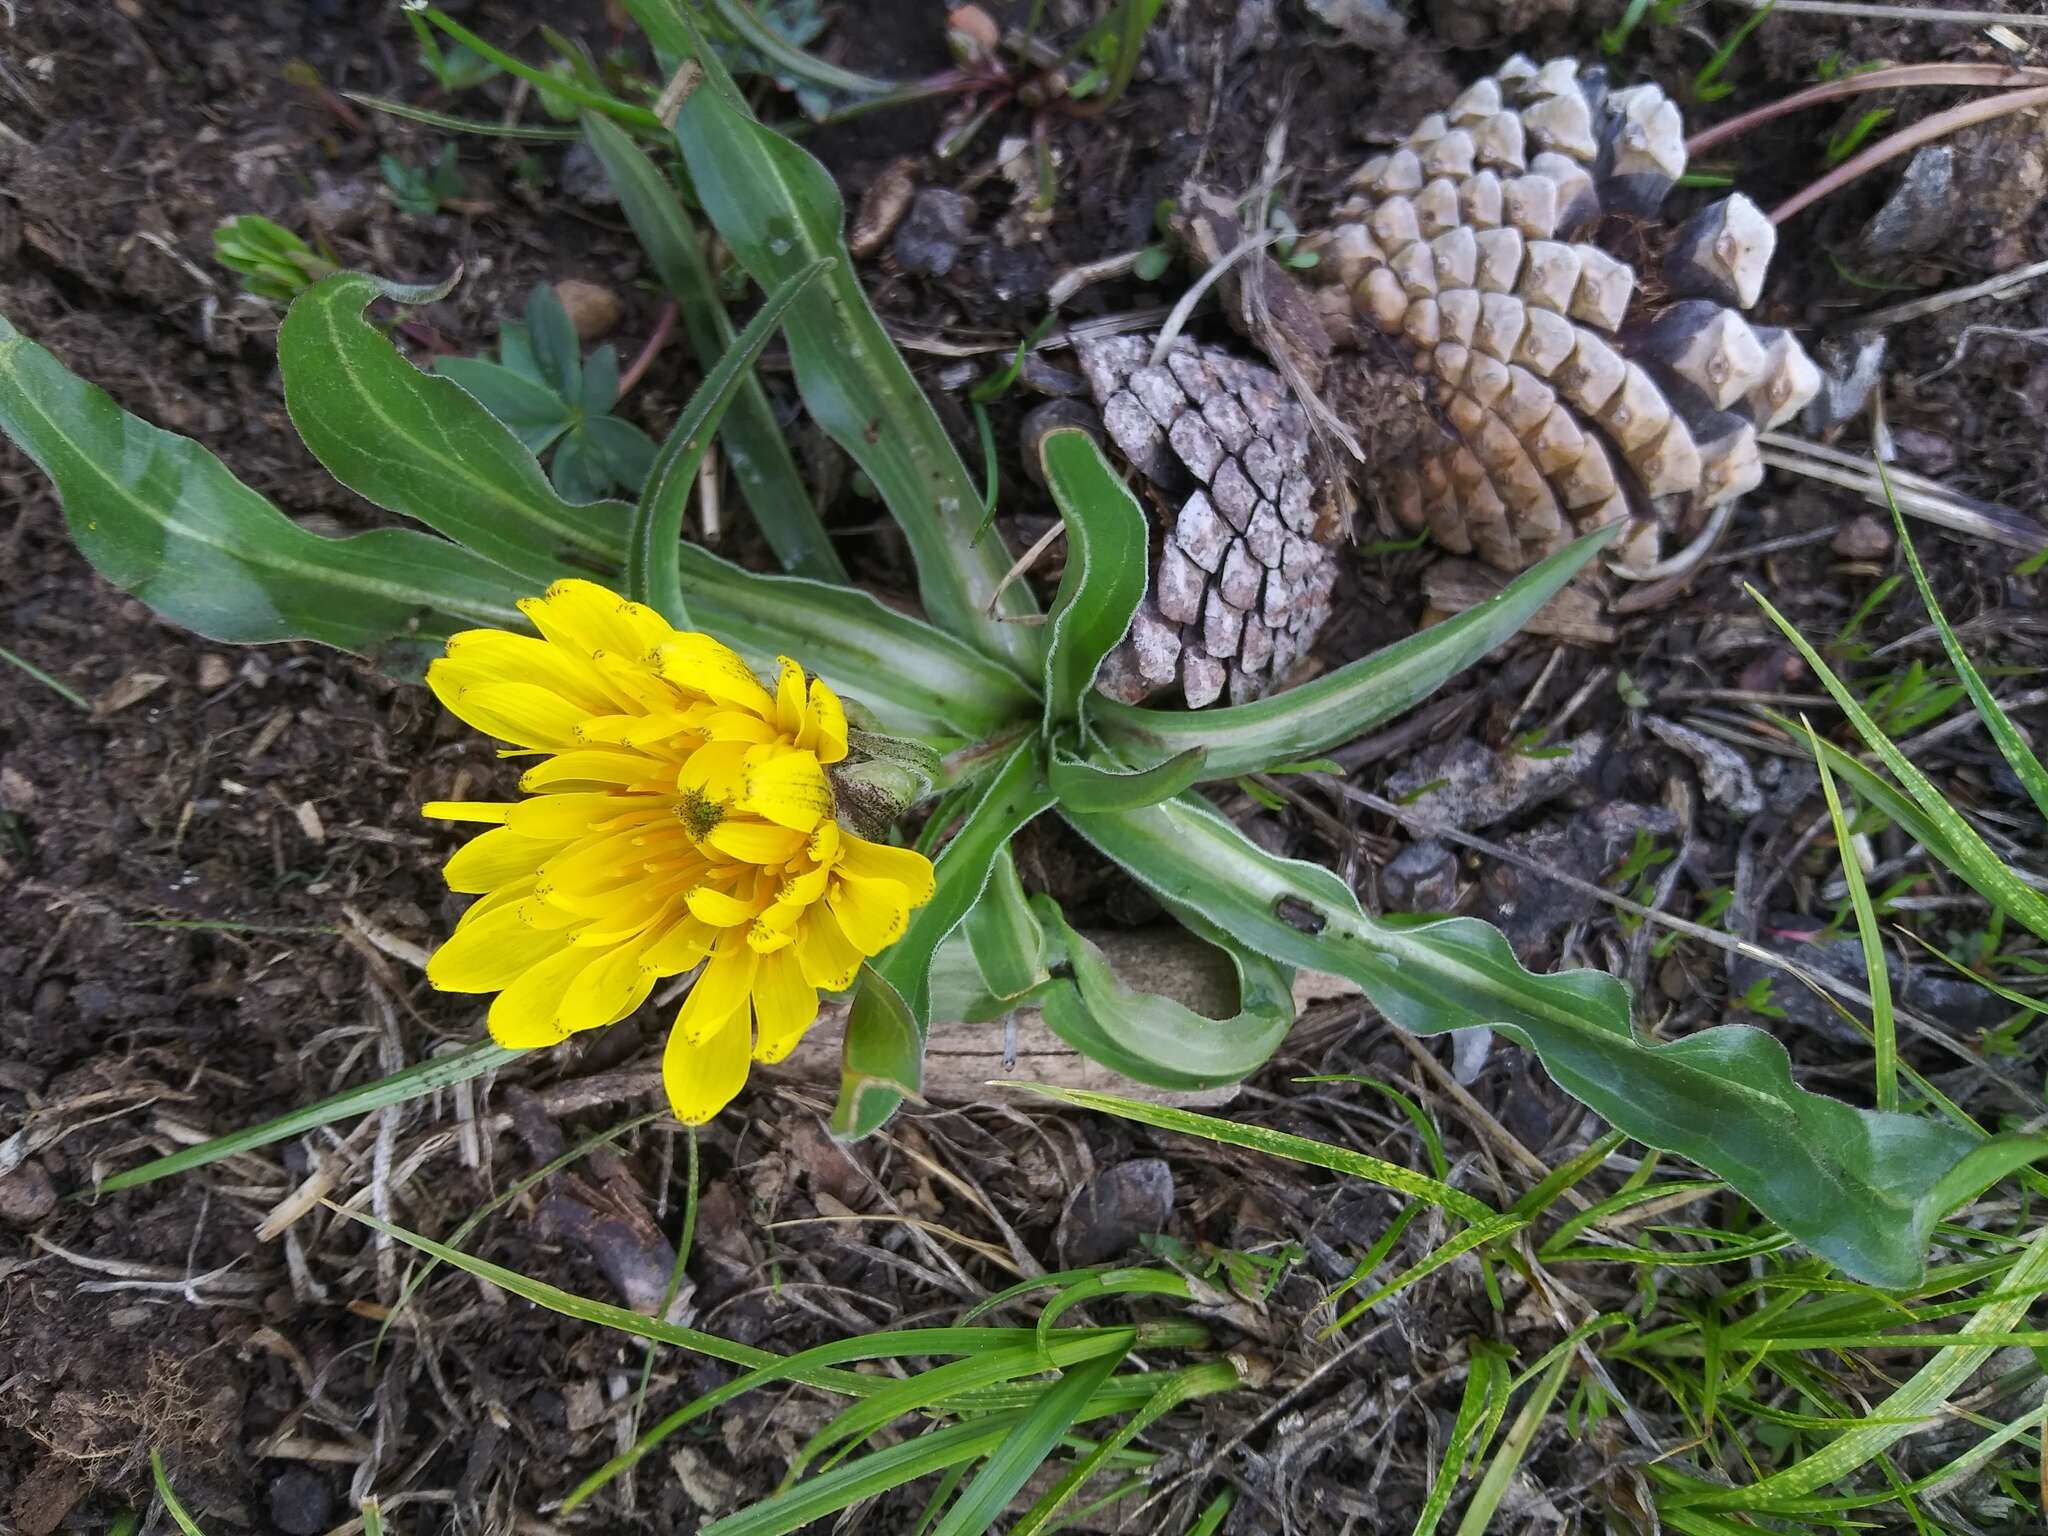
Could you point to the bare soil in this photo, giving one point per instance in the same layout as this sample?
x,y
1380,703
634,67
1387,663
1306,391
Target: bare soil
x,y
212,874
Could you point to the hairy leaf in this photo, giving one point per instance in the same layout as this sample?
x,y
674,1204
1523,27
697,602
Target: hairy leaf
x,y
1105,575
778,210
1285,727
160,517
1085,786
1862,1188
422,445
756,447
1008,947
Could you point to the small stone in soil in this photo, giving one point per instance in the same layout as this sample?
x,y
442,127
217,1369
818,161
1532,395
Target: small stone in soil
x,y
929,241
593,309
214,673
26,1196
1863,537
301,1503
1111,1211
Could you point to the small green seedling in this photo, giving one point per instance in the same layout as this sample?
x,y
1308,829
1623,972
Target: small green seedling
x,y
273,262
455,68
1850,139
422,190
1660,13
1708,85
553,397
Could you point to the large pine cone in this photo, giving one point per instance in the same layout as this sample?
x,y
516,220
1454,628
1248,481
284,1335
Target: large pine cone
x,y
1572,398
1245,570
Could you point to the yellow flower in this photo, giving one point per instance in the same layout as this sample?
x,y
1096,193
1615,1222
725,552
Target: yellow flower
x,y
680,815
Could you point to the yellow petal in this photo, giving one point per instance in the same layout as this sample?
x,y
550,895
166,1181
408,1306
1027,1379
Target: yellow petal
x,y
721,988
468,810
789,698
764,939
829,958
525,714
498,656
585,617
787,787
714,771
607,989
784,1005
523,1015
684,944
500,856
873,912
754,842
713,669
883,861
703,1076
722,909
490,952
595,765
825,732
575,814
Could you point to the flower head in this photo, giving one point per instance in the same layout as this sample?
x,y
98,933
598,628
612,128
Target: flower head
x,y
679,815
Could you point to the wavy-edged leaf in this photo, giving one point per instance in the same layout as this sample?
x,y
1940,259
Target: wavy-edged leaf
x,y
756,448
1286,727
421,445
1156,1040
1086,786
778,210
653,548
919,680
881,1056
1965,852
1862,1188
1105,575
1008,798
162,518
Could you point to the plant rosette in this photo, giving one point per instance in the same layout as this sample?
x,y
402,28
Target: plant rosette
x,y
650,714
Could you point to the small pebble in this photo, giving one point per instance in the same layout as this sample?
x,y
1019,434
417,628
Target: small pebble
x,y
1110,1212
593,310
1863,537
214,673
301,1503
26,1196
929,241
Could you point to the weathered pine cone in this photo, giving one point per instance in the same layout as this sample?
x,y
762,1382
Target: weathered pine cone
x,y
1573,397
1245,570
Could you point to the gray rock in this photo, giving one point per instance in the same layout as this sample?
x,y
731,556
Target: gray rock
x,y
1921,212
1109,1213
1465,785
301,1503
1422,877
26,1195
939,222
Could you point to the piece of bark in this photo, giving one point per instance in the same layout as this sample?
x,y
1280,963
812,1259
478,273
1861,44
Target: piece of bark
x,y
1452,586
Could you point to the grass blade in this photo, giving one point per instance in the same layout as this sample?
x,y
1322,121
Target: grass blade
x,y
1974,862
399,1088
847,1485
1483,1378
2025,765
172,1507
756,448
653,563
1025,1448
771,45
1884,1027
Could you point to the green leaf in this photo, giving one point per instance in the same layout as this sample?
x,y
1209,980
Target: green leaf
x,y
1972,860
1862,1188
1025,1448
599,391
1009,798
422,445
555,347
778,210
1154,1039
881,1059
1106,571
533,412
652,551
414,1082
1007,943
2012,746
918,680
162,518
845,1485
626,453
1084,786
1876,968
1247,738
756,448
771,45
